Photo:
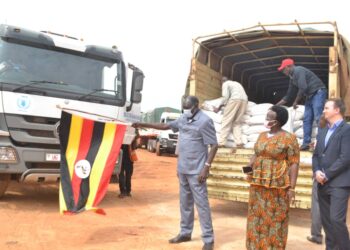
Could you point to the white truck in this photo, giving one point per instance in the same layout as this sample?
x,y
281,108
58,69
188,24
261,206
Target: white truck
x,y
166,141
161,141
40,71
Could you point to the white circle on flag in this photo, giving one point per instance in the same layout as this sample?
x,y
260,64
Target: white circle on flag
x,y
82,169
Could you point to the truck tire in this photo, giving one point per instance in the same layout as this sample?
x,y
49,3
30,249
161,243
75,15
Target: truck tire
x,y
114,179
4,182
149,146
139,143
152,148
158,151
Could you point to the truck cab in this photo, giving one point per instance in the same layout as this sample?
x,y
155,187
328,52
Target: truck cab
x,y
42,71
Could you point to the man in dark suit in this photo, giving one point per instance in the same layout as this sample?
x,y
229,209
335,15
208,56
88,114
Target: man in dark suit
x,y
331,167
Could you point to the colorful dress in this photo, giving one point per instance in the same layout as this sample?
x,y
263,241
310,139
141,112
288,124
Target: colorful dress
x,y
268,208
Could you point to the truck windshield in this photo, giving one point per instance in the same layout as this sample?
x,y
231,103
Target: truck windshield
x,y
24,67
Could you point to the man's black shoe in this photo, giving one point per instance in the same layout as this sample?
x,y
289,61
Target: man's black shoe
x,y
304,147
314,240
180,238
208,246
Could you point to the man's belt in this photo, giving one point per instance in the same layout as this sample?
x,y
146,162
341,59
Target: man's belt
x,y
310,96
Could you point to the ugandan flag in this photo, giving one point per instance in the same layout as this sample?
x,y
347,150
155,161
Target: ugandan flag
x,y
89,151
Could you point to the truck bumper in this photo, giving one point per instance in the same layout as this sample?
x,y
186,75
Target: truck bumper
x,y
168,146
29,158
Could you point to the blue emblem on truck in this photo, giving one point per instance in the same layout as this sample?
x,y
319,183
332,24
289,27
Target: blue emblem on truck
x,y
23,102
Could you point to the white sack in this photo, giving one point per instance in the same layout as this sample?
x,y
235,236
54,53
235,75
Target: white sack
x,y
256,129
256,119
209,105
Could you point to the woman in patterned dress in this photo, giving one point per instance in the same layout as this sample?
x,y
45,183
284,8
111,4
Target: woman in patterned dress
x,y
272,183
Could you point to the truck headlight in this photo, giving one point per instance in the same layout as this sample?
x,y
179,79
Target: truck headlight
x,y
8,155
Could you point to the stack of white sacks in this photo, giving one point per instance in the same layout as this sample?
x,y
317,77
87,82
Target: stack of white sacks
x,y
252,123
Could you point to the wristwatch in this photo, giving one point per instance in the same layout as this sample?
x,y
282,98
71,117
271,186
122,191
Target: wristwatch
x,y
207,164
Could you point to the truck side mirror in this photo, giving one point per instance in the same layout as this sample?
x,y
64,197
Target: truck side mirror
x,y
136,87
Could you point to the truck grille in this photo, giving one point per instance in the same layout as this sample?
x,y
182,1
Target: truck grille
x,y
173,136
32,131
45,165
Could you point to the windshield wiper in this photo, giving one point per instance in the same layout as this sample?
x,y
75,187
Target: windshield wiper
x,y
37,82
97,90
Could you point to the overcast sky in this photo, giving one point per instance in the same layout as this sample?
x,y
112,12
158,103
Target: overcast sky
x,y
157,35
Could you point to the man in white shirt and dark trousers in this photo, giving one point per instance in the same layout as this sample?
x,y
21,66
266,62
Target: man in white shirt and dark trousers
x,y
235,101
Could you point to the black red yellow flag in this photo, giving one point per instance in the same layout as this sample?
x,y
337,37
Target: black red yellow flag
x,y
89,151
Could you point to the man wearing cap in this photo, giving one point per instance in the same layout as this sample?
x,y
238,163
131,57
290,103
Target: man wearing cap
x,y
306,84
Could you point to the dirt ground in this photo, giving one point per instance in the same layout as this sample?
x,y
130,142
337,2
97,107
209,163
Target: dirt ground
x,y
29,216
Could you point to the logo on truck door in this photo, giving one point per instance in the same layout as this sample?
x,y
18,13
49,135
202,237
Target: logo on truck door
x,y
23,103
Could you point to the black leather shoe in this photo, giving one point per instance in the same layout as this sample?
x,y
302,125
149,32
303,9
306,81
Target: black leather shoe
x,y
314,240
208,246
304,147
180,238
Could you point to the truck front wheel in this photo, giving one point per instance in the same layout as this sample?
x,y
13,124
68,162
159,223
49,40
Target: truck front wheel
x,y
149,146
4,182
158,152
